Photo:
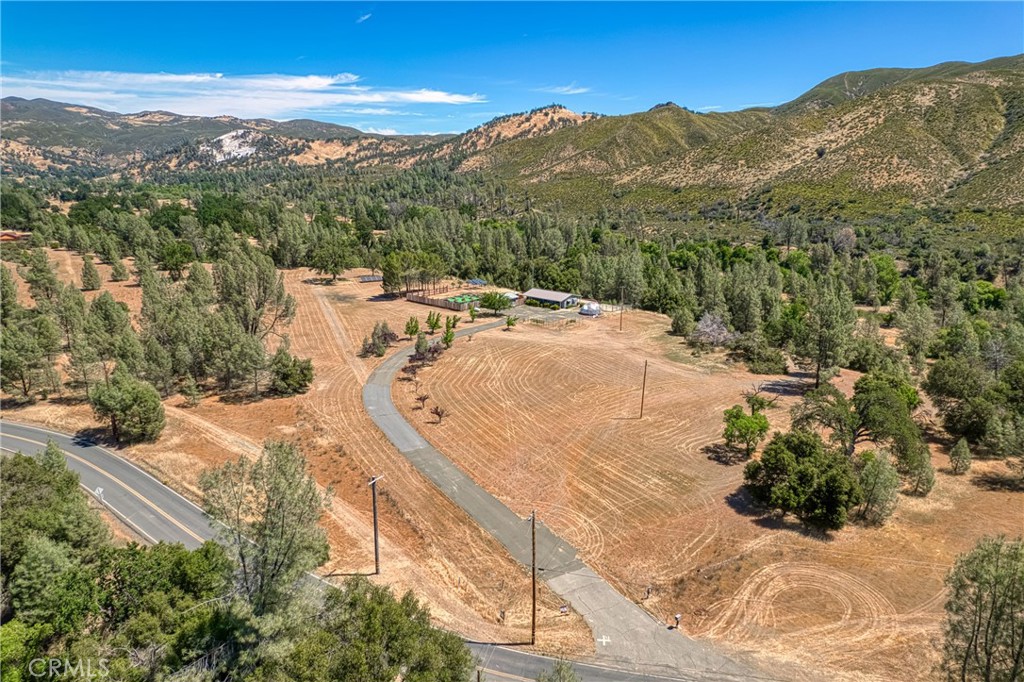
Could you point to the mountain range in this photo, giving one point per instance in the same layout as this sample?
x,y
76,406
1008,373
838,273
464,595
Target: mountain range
x,y
951,133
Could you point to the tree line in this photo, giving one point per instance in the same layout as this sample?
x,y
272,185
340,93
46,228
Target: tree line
x,y
218,331
814,292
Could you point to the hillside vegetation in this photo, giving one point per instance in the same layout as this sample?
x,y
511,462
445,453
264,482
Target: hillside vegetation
x,y
949,132
40,135
858,145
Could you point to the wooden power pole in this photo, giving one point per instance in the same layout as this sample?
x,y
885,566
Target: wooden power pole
x,y
376,535
622,305
533,562
643,391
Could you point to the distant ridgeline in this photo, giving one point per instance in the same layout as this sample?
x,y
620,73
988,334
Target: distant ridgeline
x,y
944,142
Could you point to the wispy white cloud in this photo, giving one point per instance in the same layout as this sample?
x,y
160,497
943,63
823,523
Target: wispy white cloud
x,y
212,94
381,131
364,17
378,111
570,89
758,104
713,107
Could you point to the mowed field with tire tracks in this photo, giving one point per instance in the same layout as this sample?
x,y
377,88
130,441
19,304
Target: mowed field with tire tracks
x,y
547,417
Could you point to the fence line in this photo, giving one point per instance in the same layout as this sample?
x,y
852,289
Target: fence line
x,y
437,302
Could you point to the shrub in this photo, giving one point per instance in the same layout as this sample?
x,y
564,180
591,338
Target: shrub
x,y
380,340
760,357
798,475
744,429
682,322
289,374
960,457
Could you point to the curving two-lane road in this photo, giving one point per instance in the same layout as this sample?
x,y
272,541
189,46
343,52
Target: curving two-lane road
x,y
159,514
148,506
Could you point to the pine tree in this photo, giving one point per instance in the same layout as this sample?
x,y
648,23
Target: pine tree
x,y
880,483
131,406
119,273
22,362
984,632
708,285
199,285
43,285
289,374
421,346
90,275
960,457
412,327
682,322
270,508
433,321
190,390
250,287
52,458
830,322
918,330
9,306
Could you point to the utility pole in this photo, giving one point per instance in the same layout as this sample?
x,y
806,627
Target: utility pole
x,y
643,391
376,536
533,542
622,305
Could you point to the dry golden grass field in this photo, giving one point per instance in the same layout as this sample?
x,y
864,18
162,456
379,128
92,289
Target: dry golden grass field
x,y
547,417
427,544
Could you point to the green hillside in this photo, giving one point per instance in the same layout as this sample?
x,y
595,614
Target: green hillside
x,y
307,129
953,134
85,136
863,144
613,143
42,123
854,84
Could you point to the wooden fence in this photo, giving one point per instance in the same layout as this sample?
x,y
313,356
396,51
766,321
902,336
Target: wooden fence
x,y
436,302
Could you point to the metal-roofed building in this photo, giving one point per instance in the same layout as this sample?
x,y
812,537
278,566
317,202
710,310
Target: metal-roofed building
x,y
559,298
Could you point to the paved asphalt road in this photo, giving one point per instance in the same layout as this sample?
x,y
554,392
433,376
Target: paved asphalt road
x,y
158,514
144,503
626,636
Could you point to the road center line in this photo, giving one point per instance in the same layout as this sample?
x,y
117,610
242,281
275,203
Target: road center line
x,y
121,483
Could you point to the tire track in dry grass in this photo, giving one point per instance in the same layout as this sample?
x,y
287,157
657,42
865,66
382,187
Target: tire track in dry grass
x,y
867,619
226,438
447,570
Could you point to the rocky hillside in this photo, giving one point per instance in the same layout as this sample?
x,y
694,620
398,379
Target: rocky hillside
x,y
951,132
532,124
39,135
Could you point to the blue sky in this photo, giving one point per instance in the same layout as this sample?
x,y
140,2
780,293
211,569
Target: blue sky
x,y
445,67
